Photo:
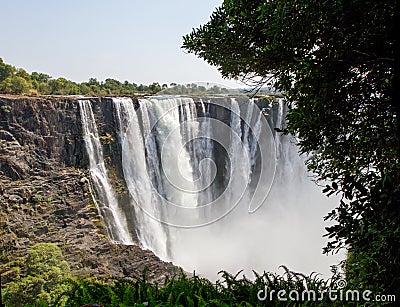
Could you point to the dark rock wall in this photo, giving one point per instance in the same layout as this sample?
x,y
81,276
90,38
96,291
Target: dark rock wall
x,y
38,133
45,189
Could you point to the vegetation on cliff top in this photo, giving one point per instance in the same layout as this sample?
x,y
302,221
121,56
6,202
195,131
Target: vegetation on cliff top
x,y
17,81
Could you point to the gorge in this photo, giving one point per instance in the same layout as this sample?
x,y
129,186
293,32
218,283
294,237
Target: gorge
x,y
205,183
209,178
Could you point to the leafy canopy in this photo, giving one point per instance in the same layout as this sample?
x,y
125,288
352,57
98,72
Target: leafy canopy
x,y
19,82
337,62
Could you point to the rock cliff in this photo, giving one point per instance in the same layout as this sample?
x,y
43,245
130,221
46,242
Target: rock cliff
x,y
45,189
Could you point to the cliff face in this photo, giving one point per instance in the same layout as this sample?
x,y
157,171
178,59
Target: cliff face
x,y
45,192
37,134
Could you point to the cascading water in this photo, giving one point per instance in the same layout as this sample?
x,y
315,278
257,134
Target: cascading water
x,y
213,187
150,232
114,217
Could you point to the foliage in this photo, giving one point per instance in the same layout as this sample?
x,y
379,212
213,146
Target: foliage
x,y
15,85
337,62
193,89
230,290
45,272
6,70
19,82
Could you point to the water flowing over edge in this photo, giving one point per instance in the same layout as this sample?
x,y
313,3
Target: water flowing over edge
x,y
171,159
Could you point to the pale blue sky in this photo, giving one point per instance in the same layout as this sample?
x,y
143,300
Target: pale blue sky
x,y
130,40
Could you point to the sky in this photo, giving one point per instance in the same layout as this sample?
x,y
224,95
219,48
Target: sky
x,y
138,41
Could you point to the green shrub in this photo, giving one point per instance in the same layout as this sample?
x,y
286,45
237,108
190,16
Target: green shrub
x,y
45,272
231,290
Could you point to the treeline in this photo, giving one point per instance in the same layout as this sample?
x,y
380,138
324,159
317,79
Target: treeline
x,y
18,81
193,89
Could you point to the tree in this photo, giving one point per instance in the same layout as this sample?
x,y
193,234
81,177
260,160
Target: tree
x,y
85,90
23,74
40,77
62,86
112,86
93,81
142,88
6,70
40,82
154,88
45,272
15,85
128,88
337,62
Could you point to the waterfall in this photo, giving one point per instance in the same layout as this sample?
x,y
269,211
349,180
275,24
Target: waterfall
x,y
175,154
204,163
150,232
114,217
211,185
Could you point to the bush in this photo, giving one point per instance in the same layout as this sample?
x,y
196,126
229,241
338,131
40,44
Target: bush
x,y
15,85
45,272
